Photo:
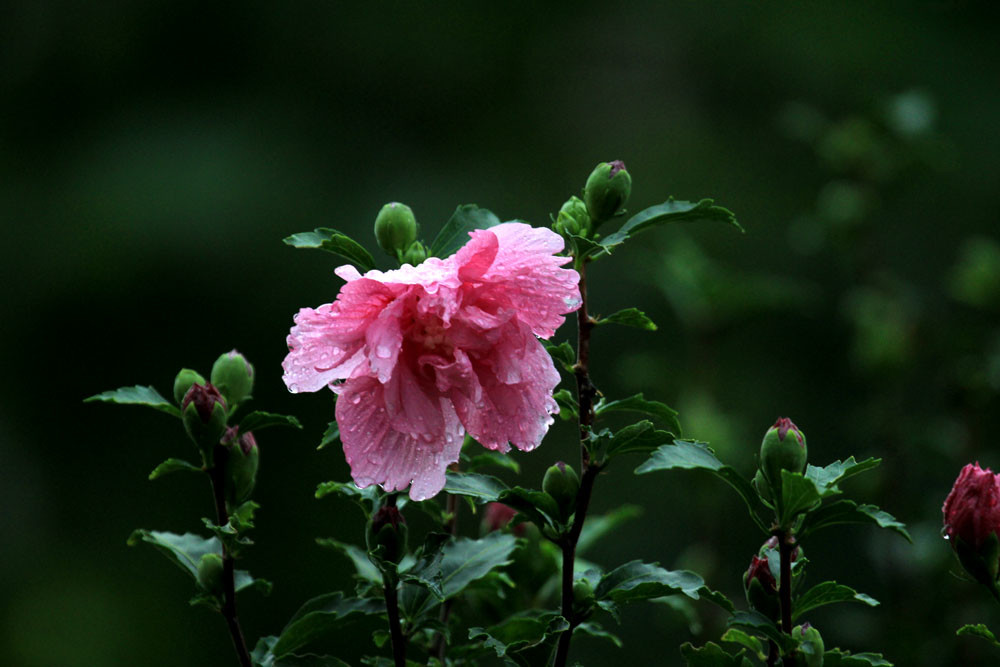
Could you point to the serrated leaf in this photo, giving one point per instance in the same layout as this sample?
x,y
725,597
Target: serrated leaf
x,y
709,655
259,419
173,465
838,658
363,567
460,562
320,615
136,395
798,494
678,211
330,436
630,317
847,511
483,488
562,354
636,580
827,477
638,403
519,632
455,232
332,241
829,592
978,630
691,455
597,527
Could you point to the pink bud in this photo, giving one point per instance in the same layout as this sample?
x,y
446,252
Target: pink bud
x,y
760,570
204,397
972,509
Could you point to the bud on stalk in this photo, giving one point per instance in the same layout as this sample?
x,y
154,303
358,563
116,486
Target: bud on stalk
x,y
184,380
387,529
607,190
233,375
395,228
972,523
242,461
562,483
783,448
204,413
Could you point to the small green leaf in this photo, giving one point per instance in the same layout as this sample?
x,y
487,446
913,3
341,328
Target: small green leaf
x,y
826,593
483,488
455,232
569,409
363,566
798,494
827,478
137,395
562,354
338,243
488,459
364,497
847,511
710,655
638,403
757,623
173,465
642,581
736,636
320,615
597,527
978,630
537,506
330,436
691,455
185,550
630,317
519,632
838,658
258,420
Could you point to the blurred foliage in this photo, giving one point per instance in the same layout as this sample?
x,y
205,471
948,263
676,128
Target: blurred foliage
x,y
154,154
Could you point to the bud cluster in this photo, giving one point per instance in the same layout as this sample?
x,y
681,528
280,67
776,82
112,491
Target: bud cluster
x,y
396,232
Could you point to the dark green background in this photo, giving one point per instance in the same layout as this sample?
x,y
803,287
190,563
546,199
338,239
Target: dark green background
x,y
154,154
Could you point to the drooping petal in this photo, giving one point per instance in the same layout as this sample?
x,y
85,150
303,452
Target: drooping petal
x,y
378,453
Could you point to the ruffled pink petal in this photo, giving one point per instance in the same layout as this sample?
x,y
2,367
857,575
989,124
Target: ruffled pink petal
x,y
515,407
378,453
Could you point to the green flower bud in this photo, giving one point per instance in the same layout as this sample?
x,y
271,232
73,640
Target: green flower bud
x,y
783,448
233,375
387,533
204,413
242,460
607,190
761,589
395,228
210,573
583,596
183,382
414,255
562,483
572,218
810,650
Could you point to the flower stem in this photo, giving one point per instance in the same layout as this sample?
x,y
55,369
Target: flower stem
x,y
585,397
395,630
440,646
786,543
217,476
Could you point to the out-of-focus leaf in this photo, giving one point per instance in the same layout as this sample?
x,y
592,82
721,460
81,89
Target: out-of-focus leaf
x,y
711,655
455,232
839,658
978,630
596,527
258,420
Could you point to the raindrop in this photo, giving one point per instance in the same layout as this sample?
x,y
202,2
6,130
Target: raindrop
x,y
356,399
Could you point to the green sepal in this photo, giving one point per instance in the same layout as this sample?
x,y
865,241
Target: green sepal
x,y
137,395
330,436
839,658
629,317
636,580
173,465
691,455
712,655
847,511
978,630
332,241
259,419
479,487
639,403
455,232
518,633
829,592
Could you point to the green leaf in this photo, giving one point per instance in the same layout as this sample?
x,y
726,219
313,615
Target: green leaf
x,y
338,243
757,623
678,211
490,458
258,420
827,478
519,632
365,497
826,593
687,454
460,562
483,488
137,395
173,465
838,658
320,615
847,511
330,436
537,506
562,354
798,494
185,550
455,232
630,317
310,660
978,630
363,567
639,437
597,527
596,631
638,403
642,581
737,636
242,580
569,409
710,655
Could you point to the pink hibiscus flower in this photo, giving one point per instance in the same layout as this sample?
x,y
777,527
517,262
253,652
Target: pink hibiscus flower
x,y
420,355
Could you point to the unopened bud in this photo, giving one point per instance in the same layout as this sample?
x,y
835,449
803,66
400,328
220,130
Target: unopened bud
x,y
242,460
414,254
607,190
562,483
185,378
395,228
233,375
387,532
810,649
761,588
583,596
572,219
783,448
972,522
210,573
204,412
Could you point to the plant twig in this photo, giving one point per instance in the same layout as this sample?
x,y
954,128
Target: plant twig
x,y
395,629
786,543
440,646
